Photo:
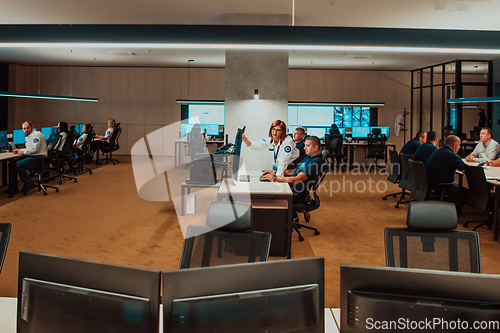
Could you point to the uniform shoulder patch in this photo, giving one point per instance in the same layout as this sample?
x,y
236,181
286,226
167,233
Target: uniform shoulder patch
x,y
287,149
35,140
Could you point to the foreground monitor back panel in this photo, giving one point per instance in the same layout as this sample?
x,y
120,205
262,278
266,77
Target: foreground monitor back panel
x,y
407,300
273,296
57,294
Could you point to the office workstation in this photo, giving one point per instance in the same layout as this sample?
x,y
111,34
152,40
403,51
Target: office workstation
x,y
117,226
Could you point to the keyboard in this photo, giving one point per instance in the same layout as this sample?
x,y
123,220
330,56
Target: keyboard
x,y
244,178
263,180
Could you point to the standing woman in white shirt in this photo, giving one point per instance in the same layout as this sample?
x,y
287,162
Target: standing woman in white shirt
x,y
279,144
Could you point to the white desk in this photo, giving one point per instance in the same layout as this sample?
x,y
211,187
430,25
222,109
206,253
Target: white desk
x,y
255,190
8,160
8,317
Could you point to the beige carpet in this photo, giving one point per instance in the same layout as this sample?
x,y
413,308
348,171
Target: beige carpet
x,y
102,218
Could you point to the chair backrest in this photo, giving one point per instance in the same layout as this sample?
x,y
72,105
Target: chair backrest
x,y
88,141
216,248
430,242
395,174
405,181
334,144
4,241
419,185
312,201
196,144
376,144
478,195
113,140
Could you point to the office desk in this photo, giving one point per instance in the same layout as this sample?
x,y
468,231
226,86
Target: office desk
x,y
187,185
180,142
8,317
265,191
350,147
9,163
494,172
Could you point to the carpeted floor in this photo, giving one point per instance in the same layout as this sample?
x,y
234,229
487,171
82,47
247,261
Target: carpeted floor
x,y
102,218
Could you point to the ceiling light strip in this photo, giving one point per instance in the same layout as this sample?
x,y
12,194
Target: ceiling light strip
x,y
474,100
185,101
254,47
39,96
336,104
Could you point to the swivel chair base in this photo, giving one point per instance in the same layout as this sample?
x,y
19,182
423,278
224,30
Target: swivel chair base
x,y
297,226
107,158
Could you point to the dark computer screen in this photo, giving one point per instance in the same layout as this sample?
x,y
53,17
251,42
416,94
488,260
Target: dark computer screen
x,y
275,296
360,132
406,300
383,130
57,294
237,150
3,139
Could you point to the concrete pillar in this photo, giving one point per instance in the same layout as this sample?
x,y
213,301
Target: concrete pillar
x,y
245,71
496,106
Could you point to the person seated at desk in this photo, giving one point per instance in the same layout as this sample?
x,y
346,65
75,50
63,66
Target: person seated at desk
x,y
411,146
441,167
279,143
105,137
35,146
62,129
81,139
486,150
423,152
306,172
298,138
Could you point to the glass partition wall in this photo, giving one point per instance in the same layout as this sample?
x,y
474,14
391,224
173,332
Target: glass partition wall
x,y
431,88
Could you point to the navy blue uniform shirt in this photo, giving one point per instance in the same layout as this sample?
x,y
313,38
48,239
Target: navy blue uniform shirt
x,y
424,152
300,146
442,164
311,167
410,147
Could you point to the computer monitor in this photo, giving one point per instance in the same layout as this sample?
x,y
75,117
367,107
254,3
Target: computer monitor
x,y
237,151
57,294
359,132
47,131
406,300
342,131
212,129
272,296
18,137
383,130
186,128
3,139
291,129
79,128
316,131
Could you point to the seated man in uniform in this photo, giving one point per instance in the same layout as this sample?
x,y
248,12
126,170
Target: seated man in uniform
x,y
411,146
425,151
298,137
441,168
486,150
302,177
36,146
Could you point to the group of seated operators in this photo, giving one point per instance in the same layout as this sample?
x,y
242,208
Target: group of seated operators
x,y
441,164
36,147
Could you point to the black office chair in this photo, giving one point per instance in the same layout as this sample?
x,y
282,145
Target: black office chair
x,y
236,243
67,156
195,145
85,154
334,144
107,148
430,242
4,241
420,189
405,182
479,195
376,148
312,202
47,164
395,174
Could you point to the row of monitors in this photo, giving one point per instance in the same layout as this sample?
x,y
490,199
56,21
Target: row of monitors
x,y
18,136
274,296
212,129
356,132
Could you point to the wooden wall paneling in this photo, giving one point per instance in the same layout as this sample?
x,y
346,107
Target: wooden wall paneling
x,y
175,85
315,81
154,114
352,86
119,112
119,85
137,85
123,141
387,89
194,85
208,83
100,113
154,85
402,88
136,114
84,86
369,86
102,84
297,85
32,80
49,79
334,86
134,134
221,80
71,112
171,113
64,81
